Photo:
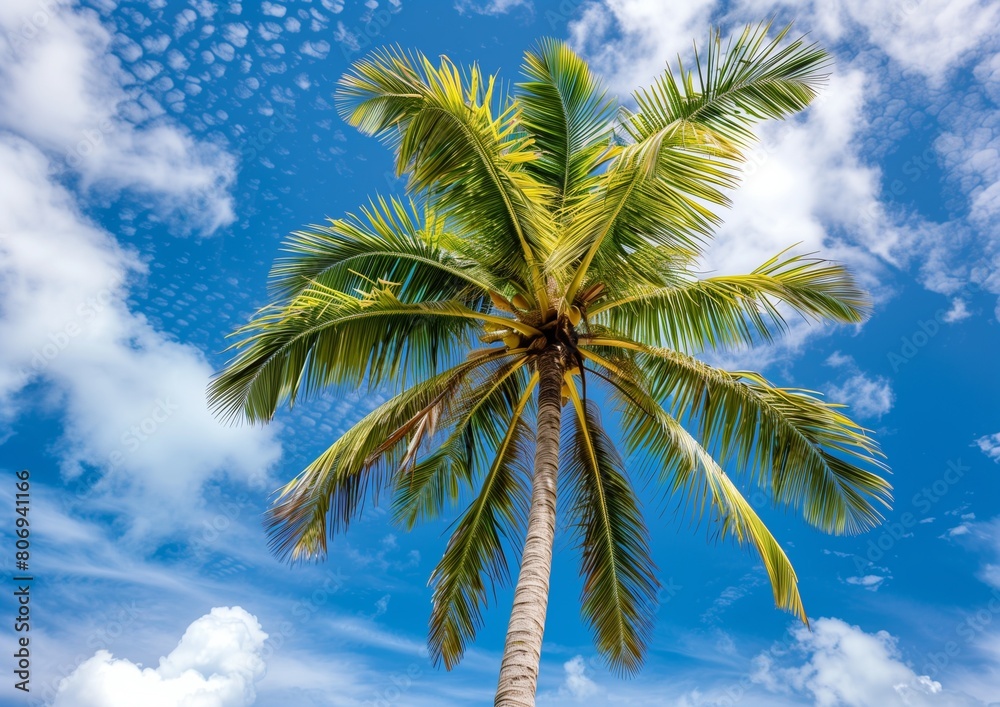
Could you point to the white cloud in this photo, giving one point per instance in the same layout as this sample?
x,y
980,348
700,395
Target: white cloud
x,y
805,183
990,446
629,41
577,684
216,664
957,312
490,7
866,396
870,582
929,37
131,397
847,667
64,90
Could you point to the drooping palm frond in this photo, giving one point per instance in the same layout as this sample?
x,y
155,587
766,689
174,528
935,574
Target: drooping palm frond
x,y
323,337
569,116
803,451
733,310
324,498
477,418
692,478
475,552
620,586
467,159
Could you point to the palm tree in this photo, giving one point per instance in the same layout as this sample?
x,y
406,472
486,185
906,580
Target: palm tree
x,y
563,234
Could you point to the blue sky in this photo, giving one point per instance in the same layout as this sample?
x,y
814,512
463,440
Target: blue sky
x,y
152,157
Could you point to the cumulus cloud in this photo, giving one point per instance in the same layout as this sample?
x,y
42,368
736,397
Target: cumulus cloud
x,y
845,666
576,684
990,446
871,582
133,399
215,664
929,37
866,396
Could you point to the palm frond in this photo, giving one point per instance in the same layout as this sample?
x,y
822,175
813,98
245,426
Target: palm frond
x,y
695,480
454,147
389,240
749,80
323,337
324,498
477,419
687,140
733,310
475,551
620,586
804,452
568,115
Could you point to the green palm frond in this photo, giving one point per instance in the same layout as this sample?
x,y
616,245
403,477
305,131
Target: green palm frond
x,y
324,337
477,417
563,237
694,479
620,586
455,148
475,551
389,240
733,87
568,115
324,498
687,140
803,451
733,310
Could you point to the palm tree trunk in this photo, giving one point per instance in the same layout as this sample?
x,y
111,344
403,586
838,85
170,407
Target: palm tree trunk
x,y
523,649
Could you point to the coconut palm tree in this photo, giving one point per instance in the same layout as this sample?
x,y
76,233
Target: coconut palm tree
x,y
562,233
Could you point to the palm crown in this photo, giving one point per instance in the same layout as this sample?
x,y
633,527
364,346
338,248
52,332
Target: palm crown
x,y
561,232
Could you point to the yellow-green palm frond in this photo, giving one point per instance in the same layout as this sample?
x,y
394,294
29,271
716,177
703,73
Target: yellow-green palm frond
x,y
568,115
753,78
324,498
388,240
687,139
474,560
804,452
323,337
693,479
619,578
461,150
732,310
477,419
